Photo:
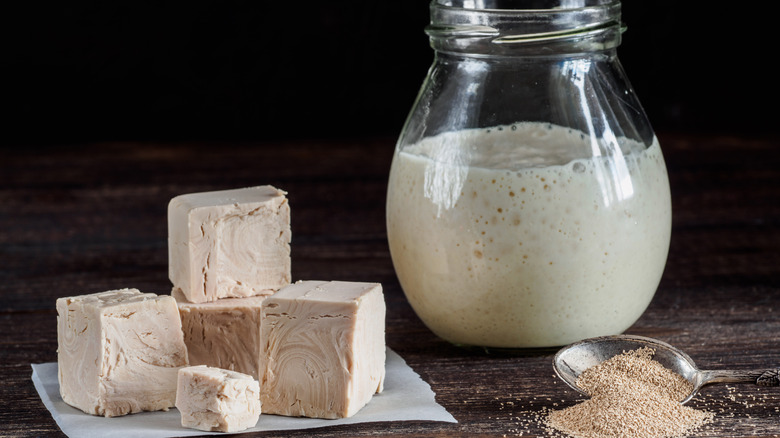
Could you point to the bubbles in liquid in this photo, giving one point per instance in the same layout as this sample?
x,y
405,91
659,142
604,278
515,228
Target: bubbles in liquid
x,y
504,264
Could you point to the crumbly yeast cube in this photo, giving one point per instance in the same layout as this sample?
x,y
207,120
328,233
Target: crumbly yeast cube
x,y
323,354
218,400
229,243
223,334
119,351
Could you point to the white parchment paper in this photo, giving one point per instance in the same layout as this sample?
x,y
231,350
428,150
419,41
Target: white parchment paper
x,y
405,397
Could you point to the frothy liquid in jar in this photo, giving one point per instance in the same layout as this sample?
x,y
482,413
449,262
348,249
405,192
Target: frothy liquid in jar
x,y
504,238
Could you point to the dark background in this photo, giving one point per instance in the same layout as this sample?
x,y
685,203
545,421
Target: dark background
x,y
253,70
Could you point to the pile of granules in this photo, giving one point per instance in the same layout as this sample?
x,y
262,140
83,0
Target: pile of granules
x,y
631,396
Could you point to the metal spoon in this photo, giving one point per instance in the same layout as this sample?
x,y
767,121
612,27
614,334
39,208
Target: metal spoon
x,y
572,360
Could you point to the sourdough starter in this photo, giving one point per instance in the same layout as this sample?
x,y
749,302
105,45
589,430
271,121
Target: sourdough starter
x,y
508,238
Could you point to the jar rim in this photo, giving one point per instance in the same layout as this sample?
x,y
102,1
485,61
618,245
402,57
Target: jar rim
x,y
523,6
480,26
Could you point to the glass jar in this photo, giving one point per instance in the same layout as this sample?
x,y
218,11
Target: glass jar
x,y
528,203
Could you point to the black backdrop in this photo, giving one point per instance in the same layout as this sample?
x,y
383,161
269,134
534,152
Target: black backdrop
x,y
252,70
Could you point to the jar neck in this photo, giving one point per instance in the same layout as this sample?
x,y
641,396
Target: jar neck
x,y
524,27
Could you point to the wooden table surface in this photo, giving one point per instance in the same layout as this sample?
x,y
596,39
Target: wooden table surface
x,y
91,217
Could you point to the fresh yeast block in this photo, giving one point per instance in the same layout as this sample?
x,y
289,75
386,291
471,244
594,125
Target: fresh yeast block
x,y
223,334
119,351
323,354
213,399
229,243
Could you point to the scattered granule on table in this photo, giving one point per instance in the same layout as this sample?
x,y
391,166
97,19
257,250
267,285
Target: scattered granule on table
x,y
631,396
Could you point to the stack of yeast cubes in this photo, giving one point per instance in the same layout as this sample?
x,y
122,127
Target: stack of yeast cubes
x,y
236,335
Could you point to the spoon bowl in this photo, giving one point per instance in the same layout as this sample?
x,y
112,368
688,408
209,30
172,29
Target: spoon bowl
x,y
573,360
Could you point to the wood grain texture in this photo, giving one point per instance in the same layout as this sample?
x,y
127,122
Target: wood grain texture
x,y
90,217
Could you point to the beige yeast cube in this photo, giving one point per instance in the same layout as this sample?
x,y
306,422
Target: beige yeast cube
x,y
324,349
229,243
118,351
223,334
213,399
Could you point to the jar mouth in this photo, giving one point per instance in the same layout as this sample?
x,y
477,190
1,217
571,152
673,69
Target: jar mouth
x,y
463,25
530,6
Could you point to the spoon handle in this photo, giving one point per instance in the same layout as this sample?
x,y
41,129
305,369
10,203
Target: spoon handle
x,y
769,377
